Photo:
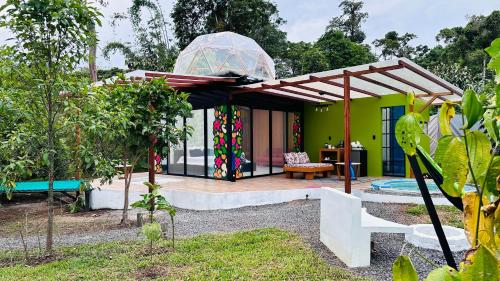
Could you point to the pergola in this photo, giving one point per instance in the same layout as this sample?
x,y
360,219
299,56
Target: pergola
x,y
369,80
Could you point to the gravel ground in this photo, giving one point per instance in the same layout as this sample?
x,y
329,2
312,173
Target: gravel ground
x,y
301,217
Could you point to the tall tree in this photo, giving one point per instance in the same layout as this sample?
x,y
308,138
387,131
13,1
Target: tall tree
x,y
52,37
257,19
151,49
465,45
137,111
350,21
342,52
301,58
394,45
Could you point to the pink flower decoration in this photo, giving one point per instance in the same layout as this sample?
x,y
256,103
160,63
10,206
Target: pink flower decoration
x,y
217,125
237,162
234,141
222,141
218,161
238,124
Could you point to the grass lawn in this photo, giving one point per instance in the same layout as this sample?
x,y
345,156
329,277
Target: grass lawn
x,y
266,254
449,215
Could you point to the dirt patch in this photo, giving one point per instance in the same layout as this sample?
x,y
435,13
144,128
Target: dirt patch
x,y
32,260
150,272
30,214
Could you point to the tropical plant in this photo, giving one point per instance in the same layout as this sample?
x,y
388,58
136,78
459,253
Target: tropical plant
x,y
395,45
152,232
51,37
468,158
153,202
144,113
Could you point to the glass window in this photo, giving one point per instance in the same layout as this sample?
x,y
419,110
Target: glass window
x,y
279,141
210,142
261,141
176,154
246,154
195,151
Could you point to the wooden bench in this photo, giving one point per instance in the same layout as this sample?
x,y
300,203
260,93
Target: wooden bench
x,y
308,170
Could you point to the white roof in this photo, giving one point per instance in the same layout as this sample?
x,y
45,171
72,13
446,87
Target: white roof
x,y
373,79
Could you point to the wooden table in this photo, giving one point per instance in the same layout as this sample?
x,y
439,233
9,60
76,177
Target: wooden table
x,y
341,164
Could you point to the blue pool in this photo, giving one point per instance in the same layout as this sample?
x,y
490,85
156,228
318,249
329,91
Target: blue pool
x,y
406,185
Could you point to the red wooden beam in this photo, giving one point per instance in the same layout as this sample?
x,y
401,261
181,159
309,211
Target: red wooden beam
x,y
347,132
311,89
340,85
268,92
364,78
302,94
402,80
329,77
428,77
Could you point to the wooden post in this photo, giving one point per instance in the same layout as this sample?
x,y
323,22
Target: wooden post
x,y
347,132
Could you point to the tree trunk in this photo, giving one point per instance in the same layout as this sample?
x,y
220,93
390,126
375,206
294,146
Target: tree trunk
x,y
92,56
50,199
128,179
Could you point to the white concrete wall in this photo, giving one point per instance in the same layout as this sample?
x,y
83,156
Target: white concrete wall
x,y
340,227
113,199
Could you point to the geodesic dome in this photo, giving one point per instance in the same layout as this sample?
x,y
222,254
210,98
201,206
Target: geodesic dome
x,y
225,52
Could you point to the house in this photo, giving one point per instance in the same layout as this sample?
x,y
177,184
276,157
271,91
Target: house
x,y
231,80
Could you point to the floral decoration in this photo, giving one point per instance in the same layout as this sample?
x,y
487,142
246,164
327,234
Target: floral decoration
x,y
221,139
297,132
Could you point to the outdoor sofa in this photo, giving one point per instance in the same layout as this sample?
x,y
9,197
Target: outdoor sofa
x,y
298,162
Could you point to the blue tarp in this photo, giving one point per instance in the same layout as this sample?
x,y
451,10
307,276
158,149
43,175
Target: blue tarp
x,y
42,186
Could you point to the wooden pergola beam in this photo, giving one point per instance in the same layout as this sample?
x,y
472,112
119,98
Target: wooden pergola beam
x,y
301,94
340,85
428,77
364,78
320,92
328,77
269,92
402,80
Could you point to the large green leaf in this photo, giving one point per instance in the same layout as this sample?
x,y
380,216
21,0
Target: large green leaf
x,y
408,131
445,114
494,51
480,266
490,183
444,273
451,155
479,154
492,124
472,108
403,270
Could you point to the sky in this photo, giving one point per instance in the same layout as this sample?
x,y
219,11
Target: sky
x,y
306,20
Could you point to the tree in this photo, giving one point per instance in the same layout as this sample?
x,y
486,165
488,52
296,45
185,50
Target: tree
x,y
137,111
51,39
393,45
151,49
350,21
301,58
342,52
257,19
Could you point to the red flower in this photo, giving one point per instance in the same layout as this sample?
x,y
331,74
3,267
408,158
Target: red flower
x,y
238,124
217,125
218,161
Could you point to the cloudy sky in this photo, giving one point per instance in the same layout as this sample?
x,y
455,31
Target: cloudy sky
x,y
306,20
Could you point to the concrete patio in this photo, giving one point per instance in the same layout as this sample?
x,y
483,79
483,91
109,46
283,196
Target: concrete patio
x,y
208,194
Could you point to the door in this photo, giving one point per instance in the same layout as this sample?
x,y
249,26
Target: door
x,y
393,156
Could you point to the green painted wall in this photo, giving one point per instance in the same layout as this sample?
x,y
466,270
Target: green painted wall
x,y
366,121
